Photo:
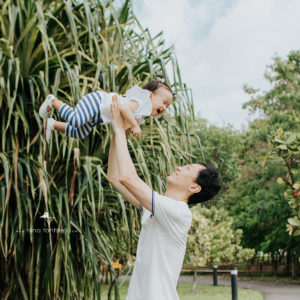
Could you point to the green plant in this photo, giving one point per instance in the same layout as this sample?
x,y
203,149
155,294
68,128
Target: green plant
x,y
287,148
213,240
69,48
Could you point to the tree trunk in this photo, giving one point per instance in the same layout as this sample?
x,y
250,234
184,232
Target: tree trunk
x,y
194,281
274,265
287,263
261,268
293,266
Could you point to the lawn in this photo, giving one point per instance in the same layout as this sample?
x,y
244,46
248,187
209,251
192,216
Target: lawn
x,y
203,292
273,278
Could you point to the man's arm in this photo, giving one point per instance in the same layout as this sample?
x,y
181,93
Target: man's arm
x,y
127,173
113,175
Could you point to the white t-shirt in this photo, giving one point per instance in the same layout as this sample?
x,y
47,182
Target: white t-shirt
x,y
160,251
136,93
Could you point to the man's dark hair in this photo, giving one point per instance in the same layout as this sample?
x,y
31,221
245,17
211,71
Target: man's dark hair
x,y
209,180
153,85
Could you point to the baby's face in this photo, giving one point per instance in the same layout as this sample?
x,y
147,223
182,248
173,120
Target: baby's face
x,y
161,99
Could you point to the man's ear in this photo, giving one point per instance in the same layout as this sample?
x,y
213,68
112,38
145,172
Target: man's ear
x,y
195,188
151,95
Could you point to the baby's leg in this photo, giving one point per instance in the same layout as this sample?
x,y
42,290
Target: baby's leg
x,y
78,132
87,110
74,132
60,126
57,104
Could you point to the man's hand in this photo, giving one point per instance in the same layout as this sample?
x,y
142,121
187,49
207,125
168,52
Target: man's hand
x,y
117,120
136,131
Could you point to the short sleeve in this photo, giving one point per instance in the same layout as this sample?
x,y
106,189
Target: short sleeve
x,y
173,215
142,97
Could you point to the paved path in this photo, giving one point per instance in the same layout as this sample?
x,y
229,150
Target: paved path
x,y
270,290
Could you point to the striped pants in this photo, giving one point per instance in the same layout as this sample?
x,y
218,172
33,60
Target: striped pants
x,y
84,117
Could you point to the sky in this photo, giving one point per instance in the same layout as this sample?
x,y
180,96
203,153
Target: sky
x,y
222,45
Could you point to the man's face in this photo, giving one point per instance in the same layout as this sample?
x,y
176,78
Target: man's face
x,y
185,176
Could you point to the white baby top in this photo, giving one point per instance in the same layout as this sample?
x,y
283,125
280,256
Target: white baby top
x,y
136,93
160,250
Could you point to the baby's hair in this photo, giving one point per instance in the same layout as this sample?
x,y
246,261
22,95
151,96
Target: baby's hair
x,y
153,85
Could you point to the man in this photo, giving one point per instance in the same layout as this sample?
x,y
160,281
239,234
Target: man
x,y
166,219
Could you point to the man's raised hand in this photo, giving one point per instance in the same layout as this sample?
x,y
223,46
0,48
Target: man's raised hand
x,y
117,120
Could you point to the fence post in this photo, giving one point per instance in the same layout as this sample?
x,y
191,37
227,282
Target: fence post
x,y
234,289
215,275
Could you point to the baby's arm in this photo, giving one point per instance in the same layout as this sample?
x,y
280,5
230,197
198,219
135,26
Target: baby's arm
x,y
127,110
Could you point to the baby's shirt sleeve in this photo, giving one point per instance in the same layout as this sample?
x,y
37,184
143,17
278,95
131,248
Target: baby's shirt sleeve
x,y
142,97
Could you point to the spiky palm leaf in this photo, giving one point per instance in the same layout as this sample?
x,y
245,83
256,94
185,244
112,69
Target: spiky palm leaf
x,y
70,48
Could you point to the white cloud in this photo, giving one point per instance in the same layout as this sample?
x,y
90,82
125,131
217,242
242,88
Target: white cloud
x,y
160,15
222,45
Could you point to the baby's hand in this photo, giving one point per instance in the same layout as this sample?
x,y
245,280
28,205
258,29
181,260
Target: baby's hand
x,y
136,131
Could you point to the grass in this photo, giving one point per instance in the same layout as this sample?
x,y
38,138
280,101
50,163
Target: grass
x,y
203,292
273,278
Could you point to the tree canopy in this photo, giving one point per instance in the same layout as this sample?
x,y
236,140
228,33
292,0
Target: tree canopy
x,y
259,204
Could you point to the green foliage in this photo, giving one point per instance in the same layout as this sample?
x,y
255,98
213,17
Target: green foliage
x,y
280,104
260,213
218,146
257,203
70,48
212,238
287,145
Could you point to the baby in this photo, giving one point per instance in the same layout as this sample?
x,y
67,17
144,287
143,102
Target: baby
x,y
94,108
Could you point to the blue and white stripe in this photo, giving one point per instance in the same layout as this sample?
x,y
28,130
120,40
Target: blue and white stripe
x,y
84,117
